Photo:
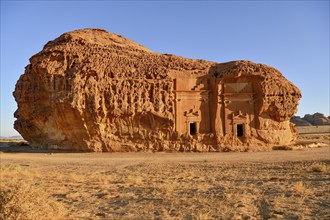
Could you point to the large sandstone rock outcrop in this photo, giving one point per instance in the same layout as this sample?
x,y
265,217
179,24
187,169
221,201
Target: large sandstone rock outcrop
x,y
90,90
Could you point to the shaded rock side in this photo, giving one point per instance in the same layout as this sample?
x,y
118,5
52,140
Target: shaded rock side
x,y
90,90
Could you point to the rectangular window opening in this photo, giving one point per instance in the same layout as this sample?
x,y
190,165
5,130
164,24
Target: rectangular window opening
x,y
240,130
192,128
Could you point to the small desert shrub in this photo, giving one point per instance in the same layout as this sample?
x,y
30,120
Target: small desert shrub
x,y
75,177
319,167
299,187
136,180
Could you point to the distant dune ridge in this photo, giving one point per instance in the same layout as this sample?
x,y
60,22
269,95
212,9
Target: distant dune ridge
x,y
91,90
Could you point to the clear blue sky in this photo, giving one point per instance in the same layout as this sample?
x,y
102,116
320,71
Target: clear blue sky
x,y
292,36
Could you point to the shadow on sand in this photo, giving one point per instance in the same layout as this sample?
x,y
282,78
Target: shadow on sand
x,y
22,146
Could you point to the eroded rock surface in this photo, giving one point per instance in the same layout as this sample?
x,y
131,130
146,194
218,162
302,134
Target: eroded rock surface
x,y
90,90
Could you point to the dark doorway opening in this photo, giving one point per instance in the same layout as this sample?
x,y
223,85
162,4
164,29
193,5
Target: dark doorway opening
x,y
240,130
192,128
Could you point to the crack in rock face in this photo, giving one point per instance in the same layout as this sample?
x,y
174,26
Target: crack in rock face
x,y
91,90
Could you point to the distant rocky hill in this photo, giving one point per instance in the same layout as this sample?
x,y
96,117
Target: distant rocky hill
x,y
317,119
11,137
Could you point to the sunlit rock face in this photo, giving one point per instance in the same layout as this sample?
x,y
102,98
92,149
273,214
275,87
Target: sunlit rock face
x,y
91,90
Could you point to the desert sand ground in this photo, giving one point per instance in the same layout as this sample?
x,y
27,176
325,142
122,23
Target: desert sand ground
x,y
282,184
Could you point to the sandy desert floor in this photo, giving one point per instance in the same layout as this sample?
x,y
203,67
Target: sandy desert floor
x,y
282,184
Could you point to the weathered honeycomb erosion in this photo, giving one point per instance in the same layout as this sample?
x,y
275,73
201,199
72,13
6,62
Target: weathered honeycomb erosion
x,y
90,90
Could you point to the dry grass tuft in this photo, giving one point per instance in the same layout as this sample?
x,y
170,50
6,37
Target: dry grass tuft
x,y
25,201
21,198
319,168
299,187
